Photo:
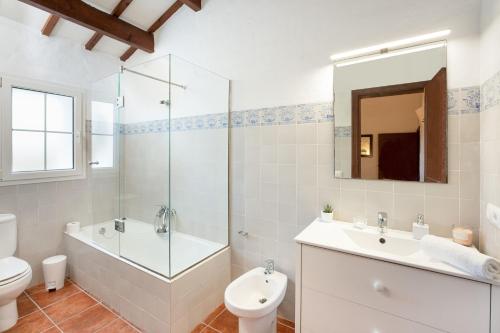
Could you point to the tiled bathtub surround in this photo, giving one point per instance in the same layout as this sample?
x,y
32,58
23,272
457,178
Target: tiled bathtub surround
x,y
151,303
282,175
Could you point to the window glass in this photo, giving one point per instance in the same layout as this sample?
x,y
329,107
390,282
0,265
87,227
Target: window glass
x,y
27,151
102,118
102,134
59,113
59,151
28,109
42,131
102,151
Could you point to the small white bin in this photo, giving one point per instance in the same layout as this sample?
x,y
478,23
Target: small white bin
x,y
54,272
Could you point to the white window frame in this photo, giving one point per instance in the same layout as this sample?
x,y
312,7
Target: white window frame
x,y
7,177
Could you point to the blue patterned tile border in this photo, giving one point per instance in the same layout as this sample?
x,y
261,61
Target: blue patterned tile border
x,y
252,118
490,92
285,115
464,100
268,117
282,115
342,131
460,101
209,121
238,119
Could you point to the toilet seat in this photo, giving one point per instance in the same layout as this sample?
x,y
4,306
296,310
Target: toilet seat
x,y
12,269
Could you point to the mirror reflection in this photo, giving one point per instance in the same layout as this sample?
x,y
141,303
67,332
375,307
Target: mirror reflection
x,y
390,115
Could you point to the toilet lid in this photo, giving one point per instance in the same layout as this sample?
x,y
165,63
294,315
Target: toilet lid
x,y
11,267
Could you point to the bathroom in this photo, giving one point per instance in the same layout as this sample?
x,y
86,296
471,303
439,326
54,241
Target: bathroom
x,y
215,136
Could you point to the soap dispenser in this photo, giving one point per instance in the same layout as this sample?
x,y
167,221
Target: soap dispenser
x,y
420,229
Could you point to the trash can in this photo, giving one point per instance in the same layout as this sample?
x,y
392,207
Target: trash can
x,y
54,272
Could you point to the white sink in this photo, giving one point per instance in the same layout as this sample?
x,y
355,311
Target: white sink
x,y
388,243
398,246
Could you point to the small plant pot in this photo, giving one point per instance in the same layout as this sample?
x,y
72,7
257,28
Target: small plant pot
x,y
326,217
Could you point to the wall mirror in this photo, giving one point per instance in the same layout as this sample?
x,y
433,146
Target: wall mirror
x,y
390,112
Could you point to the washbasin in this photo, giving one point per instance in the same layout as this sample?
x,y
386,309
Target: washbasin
x,y
394,242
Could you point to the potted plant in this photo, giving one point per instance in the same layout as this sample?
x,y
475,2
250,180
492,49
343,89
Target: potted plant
x,y
327,213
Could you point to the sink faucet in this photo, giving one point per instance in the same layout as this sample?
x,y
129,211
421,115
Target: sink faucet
x,y
269,266
382,222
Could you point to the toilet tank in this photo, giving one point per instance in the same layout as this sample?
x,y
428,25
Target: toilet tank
x,y
8,235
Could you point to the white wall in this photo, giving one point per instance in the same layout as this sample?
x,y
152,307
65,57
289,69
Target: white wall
x,y
490,29
26,53
43,209
277,53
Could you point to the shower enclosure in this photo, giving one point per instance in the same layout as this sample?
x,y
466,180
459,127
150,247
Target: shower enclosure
x,y
158,146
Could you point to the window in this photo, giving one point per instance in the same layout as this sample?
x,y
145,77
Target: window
x,y
102,135
41,126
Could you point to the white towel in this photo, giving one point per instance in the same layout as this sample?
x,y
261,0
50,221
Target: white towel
x,y
466,258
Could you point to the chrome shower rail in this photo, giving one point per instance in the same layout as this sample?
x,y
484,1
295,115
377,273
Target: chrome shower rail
x,y
152,77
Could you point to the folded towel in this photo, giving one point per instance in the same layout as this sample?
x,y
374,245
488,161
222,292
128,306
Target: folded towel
x,y
466,258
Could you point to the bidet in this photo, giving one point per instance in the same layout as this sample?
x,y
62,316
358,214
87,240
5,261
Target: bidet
x,y
255,296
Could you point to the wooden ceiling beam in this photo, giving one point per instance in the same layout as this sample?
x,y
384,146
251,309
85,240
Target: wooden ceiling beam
x,y
117,11
155,26
193,4
85,15
50,24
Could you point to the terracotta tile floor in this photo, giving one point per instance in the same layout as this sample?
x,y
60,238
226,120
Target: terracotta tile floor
x,y
72,309
69,309
223,321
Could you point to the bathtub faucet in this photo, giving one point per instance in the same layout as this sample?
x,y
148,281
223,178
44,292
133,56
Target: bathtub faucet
x,y
161,220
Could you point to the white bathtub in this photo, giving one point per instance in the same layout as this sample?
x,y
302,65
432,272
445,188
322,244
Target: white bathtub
x,y
165,254
128,272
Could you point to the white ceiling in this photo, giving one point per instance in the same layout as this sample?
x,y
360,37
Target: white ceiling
x,y
141,13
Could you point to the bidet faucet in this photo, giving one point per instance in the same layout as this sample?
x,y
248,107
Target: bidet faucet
x,y
269,266
382,222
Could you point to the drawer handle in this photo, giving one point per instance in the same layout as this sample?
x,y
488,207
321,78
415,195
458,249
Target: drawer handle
x,y
379,286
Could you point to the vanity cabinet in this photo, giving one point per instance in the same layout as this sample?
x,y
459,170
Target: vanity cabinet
x,y
338,292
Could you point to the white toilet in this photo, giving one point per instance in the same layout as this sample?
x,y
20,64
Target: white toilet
x,y
15,274
254,297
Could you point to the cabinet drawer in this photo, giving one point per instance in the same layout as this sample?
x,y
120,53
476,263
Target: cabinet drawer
x,y
322,313
443,302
